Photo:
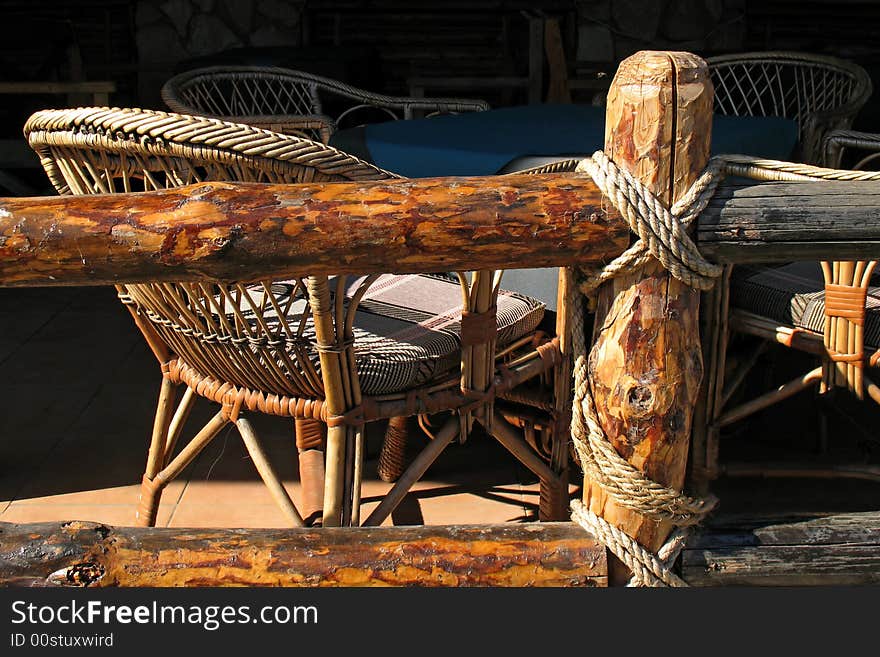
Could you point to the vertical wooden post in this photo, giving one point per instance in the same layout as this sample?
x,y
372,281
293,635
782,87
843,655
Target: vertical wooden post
x,y
646,364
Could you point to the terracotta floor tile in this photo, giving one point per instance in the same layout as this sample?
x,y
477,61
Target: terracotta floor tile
x,y
82,355
438,502
139,365
17,328
115,495
439,507
243,493
228,512
120,515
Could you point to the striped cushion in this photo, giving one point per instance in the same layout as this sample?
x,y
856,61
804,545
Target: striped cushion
x,y
793,294
407,328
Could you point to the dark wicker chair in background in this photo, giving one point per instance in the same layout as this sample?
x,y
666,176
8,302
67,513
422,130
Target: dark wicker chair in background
x,y
820,93
818,308
317,349
293,102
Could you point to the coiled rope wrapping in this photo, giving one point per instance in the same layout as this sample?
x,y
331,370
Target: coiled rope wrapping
x,y
662,234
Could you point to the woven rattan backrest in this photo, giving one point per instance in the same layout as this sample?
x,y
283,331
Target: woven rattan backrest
x,y
247,92
244,92
806,88
253,336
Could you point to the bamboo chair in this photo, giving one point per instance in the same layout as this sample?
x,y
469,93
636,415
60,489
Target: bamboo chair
x,y
819,308
292,102
336,351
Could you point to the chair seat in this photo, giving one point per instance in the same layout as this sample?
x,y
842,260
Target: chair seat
x,y
794,295
407,328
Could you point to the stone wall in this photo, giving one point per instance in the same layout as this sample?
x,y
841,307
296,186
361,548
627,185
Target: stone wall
x,y
610,30
168,32
599,32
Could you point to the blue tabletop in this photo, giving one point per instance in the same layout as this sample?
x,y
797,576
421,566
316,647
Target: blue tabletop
x,y
482,143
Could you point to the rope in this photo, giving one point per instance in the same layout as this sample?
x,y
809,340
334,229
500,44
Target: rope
x,y
662,234
647,568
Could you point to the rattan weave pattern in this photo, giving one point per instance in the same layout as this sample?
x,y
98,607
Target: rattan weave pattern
x,y
292,101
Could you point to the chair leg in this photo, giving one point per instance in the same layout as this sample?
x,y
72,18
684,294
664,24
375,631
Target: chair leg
x,y
554,498
310,444
148,506
157,454
150,492
413,473
153,483
267,472
392,458
180,417
553,485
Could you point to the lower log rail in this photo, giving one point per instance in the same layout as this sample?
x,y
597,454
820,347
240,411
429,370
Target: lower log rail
x,y
831,551
837,550
91,554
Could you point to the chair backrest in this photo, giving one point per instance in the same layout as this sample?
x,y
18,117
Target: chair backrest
x,y
254,336
242,92
820,93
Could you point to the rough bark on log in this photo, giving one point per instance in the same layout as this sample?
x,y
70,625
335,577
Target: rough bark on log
x,y
645,365
837,550
90,554
227,231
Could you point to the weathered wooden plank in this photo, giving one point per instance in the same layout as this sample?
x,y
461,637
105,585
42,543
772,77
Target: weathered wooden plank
x,y
814,192
831,530
839,565
226,231
752,251
837,550
90,554
767,222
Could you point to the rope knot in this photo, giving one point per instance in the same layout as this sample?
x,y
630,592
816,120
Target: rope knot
x,y
662,233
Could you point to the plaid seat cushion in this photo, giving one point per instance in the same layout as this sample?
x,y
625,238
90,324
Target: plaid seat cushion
x,y
794,295
407,328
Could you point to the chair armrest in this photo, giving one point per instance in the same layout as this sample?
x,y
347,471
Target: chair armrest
x,y
309,126
435,106
836,140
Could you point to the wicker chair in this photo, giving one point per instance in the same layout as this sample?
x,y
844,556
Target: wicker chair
x,y
325,351
820,93
292,102
819,308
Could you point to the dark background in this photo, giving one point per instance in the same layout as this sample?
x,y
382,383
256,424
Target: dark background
x,y
381,44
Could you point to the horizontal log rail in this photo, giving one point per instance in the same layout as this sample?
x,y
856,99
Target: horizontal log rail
x,y
91,554
226,231
835,550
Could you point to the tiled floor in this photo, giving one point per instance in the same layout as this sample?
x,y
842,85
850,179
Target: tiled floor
x,y
80,390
